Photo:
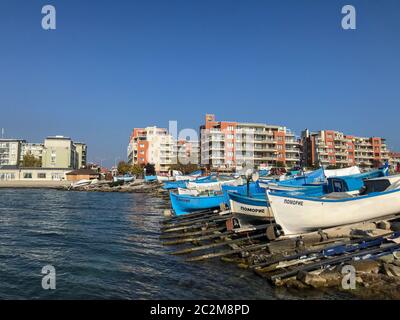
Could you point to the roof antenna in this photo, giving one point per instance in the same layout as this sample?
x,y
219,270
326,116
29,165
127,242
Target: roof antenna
x,y
2,133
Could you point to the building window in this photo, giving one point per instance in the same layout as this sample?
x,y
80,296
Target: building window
x,y
280,147
41,176
27,175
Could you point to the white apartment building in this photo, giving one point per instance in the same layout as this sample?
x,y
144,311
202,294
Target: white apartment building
x,y
152,145
35,149
10,150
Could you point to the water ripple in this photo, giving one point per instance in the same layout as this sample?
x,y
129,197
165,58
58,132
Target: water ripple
x,y
105,246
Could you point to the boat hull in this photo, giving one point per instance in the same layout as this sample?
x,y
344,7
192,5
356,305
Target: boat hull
x,y
298,215
249,208
150,178
174,184
184,204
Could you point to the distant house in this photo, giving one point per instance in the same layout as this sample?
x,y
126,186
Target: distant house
x,y
81,174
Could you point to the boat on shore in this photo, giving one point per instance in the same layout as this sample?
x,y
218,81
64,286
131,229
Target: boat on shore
x,y
168,185
190,177
125,178
250,208
254,206
81,183
186,203
298,214
150,178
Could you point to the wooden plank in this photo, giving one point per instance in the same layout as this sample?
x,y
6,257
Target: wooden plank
x,y
219,244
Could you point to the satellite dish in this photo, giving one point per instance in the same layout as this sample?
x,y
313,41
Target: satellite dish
x,y
255,176
248,173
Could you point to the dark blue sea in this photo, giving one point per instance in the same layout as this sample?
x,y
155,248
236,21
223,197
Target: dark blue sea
x,y
106,246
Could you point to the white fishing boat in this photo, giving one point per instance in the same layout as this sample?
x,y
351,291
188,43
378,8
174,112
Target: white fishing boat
x,y
190,177
341,172
163,178
81,183
298,214
215,185
191,192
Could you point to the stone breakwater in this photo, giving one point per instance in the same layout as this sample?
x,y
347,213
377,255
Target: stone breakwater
x,y
138,186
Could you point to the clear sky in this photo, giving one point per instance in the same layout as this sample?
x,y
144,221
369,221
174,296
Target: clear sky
x,y
114,65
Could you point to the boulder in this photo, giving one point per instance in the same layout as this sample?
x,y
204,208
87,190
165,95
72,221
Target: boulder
x,y
366,266
388,258
385,225
332,277
391,270
310,279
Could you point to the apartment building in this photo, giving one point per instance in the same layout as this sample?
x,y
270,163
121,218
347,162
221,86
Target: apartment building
x,y
10,151
152,145
35,149
227,144
394,160
188,152
334,148
81,154
55,152
60,152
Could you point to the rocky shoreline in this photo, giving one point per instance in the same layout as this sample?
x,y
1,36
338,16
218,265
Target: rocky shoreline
x,y
138,186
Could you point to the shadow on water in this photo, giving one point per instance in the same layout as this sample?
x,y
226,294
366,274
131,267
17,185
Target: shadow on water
x,y
106,246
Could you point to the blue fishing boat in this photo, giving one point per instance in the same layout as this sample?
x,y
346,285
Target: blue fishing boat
x,y
263,172
184,204
168,185
254,188
207,179
150,178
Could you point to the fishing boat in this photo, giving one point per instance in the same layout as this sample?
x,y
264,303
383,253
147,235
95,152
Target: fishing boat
x,y
80,183
251,207
190,177
192,192
244,189
150,178
168,185
215,184
297,214
125,178
161,178
184,203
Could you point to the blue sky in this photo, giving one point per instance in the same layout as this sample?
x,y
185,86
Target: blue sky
x,y
114,65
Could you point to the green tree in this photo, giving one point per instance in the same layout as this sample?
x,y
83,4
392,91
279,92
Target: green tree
x,y
30,161
137,170
124,168
280,164
150,169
